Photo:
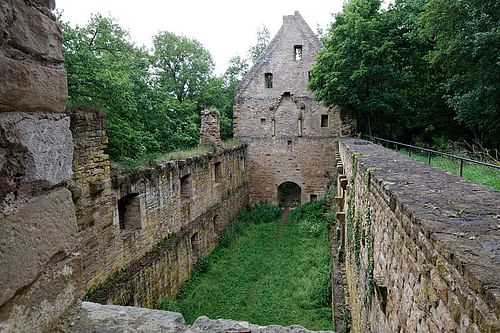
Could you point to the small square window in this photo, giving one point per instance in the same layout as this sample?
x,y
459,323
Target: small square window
x,y
324,120
313,197
269,80
289,142
298,52
262,120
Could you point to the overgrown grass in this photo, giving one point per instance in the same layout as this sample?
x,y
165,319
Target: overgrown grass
x,y
230,143
475,173
265,271
128,165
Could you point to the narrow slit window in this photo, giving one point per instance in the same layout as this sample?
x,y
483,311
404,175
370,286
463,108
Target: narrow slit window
x,y
218,172
324,120
269,80
186,189
298,52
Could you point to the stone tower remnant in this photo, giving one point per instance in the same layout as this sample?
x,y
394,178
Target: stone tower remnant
x,y
210,128
290,136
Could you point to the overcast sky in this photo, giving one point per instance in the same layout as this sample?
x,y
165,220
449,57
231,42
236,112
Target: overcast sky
x,y
224,27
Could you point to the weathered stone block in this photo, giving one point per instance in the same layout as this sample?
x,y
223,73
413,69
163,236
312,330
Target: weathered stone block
x,y
40,304
41,233
31,87
40,147
30,31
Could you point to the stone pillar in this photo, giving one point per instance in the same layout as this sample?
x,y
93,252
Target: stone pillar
x,y
40,268
210,128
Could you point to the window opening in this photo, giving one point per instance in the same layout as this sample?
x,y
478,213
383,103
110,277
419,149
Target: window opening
x,y
195,246
218,172
262,120
313,197
324,120
269,80
186,189
129,212
298,52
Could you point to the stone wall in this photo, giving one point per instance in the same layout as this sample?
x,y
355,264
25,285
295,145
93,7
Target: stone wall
x,y
92,317
290,136
420,246
40,267
145,229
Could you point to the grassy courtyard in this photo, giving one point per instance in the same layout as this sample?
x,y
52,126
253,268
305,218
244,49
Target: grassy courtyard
x,y
267,270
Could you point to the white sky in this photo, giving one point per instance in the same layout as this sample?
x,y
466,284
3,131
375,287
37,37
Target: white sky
x,y
224,27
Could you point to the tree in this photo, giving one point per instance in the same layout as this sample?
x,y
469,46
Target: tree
x,y
355,70
467,37
182,66
106,70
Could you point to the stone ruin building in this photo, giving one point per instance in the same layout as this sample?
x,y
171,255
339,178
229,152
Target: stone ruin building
x,y
403,259
290,136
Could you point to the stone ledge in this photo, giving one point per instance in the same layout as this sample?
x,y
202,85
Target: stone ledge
x,y
93,317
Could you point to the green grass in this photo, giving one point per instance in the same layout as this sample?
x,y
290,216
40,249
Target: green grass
x,y
265,272
129,165
475,173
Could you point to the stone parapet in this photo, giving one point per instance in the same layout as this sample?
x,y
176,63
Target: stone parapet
x,y
421,246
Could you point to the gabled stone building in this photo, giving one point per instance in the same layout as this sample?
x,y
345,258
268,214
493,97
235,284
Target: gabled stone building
x,y
290,136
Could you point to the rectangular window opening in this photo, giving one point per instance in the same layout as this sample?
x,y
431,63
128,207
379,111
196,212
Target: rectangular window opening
x,y
324,120
298,52
129,212
289,142
313,197
218,172
269,80
186,189
262,120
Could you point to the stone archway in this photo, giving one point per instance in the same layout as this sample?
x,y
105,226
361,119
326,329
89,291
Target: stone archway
x,y
289,194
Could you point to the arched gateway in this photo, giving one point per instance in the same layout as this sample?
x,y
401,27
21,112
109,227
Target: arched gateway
x,y
289,194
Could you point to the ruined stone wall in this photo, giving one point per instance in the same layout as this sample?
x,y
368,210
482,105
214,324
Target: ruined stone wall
x,y
290,135
421,247
144,230
40,268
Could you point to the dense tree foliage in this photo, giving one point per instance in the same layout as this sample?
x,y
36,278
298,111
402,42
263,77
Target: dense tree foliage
x,y
152,98
419,70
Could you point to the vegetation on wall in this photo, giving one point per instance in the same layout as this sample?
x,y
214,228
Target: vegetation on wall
x,y
265,271
420,70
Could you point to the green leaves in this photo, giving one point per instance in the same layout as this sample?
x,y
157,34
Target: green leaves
x,y
152,98
416,71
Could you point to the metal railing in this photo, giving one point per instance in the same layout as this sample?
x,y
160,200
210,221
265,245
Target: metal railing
x,y
430,152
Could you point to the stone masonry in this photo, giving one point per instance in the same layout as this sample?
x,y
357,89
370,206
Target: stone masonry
x,y
210,128
421,247
40,267
290,136
144,230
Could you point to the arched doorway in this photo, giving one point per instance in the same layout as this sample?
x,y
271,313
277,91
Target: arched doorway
x,y
289,194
